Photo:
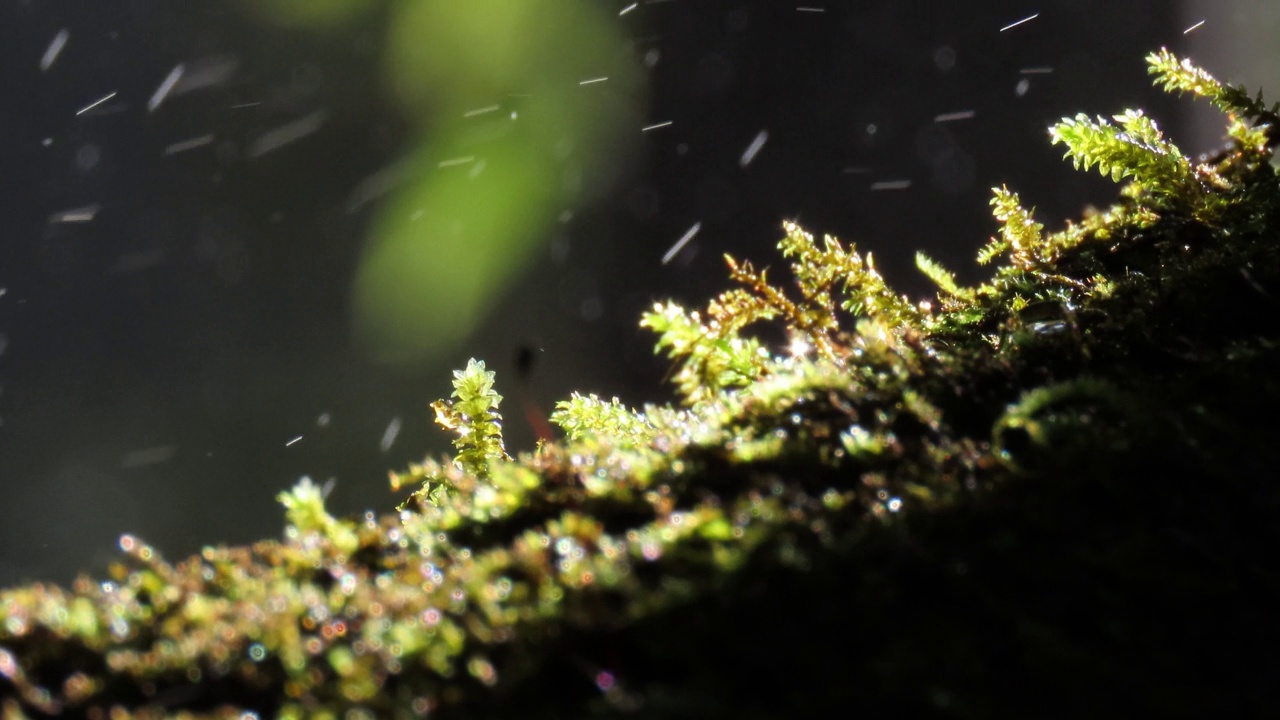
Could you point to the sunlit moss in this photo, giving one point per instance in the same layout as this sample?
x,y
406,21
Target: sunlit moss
x,y
869,514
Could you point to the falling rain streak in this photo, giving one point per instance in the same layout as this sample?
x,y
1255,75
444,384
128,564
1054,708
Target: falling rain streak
x,y
684,240
389,435
185,145
287,133
202,73
75,215
750,153
1016,23
891,185
149,456
465,159
166,87
481,111
95,103
55,48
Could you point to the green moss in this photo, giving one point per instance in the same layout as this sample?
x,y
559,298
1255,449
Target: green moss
x,y
1058,481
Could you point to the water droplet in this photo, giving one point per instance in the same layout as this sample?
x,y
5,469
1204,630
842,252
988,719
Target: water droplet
x,y
605,681
1051,327
87,157
944,58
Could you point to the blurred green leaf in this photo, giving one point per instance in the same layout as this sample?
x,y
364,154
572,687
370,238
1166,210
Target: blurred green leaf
x,y
516,107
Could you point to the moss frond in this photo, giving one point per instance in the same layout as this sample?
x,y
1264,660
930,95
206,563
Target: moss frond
x,y
1051,423
474,416
1020,234
1180,75
711,355
893,445
305,514
819,270
1134,147
940,276
583,417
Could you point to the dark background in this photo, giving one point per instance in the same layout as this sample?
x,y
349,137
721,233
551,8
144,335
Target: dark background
x,y
157,361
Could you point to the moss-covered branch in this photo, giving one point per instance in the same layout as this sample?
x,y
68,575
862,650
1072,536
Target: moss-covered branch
x,y
1049,493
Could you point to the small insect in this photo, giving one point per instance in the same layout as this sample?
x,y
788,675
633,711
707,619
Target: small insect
x,y
525,358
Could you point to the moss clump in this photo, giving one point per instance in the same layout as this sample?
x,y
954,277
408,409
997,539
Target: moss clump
x,y
1051,493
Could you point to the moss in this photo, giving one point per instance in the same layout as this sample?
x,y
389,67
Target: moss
x,y
1047,494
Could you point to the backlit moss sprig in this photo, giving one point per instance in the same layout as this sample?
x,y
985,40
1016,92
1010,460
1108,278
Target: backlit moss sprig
x,y
473,415
305,514
713,354
1133,147
890,448
1020,235
475,418
586,416
1180,75
1163,181
820,271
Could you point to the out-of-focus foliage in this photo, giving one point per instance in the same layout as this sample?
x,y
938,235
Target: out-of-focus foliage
x,y
516,107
